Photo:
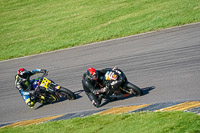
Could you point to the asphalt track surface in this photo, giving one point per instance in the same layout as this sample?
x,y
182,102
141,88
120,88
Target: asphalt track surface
x,y
165,64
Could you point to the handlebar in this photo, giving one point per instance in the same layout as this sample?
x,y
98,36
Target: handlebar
x,y
45,74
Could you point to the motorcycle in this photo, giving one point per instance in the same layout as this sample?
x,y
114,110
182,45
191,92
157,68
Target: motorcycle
x,y
47,91
124,89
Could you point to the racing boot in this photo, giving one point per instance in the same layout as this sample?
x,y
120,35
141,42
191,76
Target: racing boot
x,y
95,99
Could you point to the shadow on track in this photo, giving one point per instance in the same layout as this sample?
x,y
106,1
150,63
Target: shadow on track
x,y
76,95
145,91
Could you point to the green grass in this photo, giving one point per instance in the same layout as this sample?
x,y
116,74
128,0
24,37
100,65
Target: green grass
x,y
143,122
31,26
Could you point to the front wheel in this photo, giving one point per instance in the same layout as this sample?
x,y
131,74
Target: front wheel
x,y
133,89
67,93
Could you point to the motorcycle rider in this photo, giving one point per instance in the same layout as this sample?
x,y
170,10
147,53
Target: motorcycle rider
x,y
94,83
24,84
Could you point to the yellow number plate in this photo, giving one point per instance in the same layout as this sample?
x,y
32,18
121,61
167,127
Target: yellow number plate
x,y
45,82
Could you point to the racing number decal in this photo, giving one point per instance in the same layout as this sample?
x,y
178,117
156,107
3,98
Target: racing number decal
x,y
45,83
110,75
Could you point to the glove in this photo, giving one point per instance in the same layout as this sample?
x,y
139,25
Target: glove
x,y
104,89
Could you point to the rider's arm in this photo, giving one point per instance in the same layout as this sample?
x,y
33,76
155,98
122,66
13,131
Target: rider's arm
x,y
17,83
44,71
88,85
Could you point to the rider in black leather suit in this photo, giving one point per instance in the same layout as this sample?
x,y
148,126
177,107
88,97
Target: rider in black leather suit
x,y
93,83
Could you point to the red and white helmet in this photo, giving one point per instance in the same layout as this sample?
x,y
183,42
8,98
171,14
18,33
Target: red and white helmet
x,y
22,72
92,73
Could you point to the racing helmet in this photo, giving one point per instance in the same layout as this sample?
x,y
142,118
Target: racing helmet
x,y
92,73
22,72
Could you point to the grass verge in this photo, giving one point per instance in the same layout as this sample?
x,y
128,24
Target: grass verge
x,y
142,122
31,27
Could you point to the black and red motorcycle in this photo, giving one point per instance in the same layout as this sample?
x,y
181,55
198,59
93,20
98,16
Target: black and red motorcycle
x,y
124,89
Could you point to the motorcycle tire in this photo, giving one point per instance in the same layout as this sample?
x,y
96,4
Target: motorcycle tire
x,y
67,93
133,89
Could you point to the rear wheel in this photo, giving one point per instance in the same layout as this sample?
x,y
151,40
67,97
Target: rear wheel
x,y
67,93
133,89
